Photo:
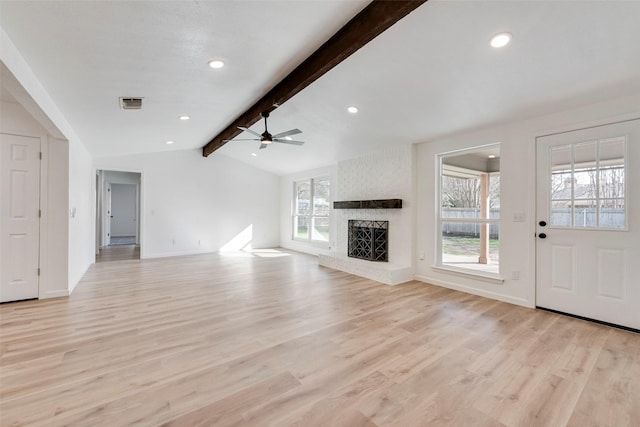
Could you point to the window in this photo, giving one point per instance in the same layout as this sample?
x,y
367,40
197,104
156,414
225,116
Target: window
x,y
311,210
588,185
469,214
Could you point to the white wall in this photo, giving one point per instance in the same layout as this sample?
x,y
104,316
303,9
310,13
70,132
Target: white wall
x,y
191,204
517,242
81,212
287,206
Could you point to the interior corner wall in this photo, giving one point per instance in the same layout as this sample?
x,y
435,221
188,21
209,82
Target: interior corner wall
x,y
81,212
286,211
517,195
191,204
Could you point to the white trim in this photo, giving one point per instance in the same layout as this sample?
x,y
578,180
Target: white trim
x,y
475,291
55,294
174,254
44,217
469,273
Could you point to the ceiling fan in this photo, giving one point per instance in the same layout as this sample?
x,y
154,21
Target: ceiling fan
x,y
266,138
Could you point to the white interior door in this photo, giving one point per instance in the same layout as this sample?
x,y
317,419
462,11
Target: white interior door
x,y
588,230
19,211
123,210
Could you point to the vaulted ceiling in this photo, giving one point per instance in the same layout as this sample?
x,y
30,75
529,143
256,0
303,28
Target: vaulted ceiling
x,y
431,74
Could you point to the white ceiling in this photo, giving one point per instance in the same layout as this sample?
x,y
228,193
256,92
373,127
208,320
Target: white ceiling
x,y
431,74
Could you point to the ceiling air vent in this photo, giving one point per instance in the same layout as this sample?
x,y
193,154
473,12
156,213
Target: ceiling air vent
x,y
131,103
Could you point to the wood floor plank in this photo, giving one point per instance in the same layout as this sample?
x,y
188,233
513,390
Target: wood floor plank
x,y
272,339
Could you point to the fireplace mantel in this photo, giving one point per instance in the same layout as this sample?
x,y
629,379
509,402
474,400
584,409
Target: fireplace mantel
x,y
369,204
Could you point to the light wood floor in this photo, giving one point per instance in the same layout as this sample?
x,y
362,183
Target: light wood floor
x,y
118,253
276,340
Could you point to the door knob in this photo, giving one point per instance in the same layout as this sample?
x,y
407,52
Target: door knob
x,y
542,235
542,223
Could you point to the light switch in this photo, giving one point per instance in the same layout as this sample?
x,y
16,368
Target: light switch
x,y
519,216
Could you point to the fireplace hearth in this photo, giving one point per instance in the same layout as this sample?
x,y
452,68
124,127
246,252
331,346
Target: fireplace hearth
x,y
368,240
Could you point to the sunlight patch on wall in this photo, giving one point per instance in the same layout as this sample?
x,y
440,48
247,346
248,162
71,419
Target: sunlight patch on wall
x,y
241,242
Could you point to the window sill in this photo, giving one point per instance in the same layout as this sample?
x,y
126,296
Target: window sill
x,y
471,274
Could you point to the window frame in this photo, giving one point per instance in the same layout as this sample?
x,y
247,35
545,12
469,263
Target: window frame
x,y
312,215
439,264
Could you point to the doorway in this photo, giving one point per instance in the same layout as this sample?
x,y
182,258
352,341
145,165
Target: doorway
x,y
588,223
118,205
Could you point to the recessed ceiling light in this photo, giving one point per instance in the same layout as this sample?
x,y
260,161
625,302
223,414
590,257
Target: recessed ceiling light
x,y
216,63
254,154
352,110
169,142
500,40
184,117
492,156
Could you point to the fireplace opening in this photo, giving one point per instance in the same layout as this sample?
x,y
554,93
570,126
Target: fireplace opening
x,y
368,240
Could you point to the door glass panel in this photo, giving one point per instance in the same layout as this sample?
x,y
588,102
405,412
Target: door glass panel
x,y
585,214
588,184
561,186
612,213
584,175
561,213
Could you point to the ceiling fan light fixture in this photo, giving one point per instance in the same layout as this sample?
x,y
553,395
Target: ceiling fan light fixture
x,y
500,40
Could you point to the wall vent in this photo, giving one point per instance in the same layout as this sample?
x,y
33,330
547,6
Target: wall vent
x,y
130,103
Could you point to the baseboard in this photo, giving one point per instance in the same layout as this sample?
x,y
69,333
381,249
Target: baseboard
x,y
475,291
171,254
55,294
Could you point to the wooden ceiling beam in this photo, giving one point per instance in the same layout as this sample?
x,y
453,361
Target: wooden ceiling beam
x,y
372,21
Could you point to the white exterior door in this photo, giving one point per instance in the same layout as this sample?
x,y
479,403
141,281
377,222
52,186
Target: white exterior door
x,y
19,209
588,223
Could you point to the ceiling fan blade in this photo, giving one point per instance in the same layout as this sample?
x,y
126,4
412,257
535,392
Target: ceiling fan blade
x,y
287,141
243,139
288,133
263,146
249,130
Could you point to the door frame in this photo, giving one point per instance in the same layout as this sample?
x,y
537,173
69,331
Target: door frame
x,y
139,205
534,199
